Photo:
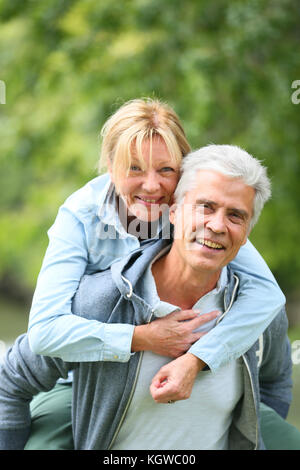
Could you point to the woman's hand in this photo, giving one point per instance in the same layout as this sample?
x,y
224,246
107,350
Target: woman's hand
x,y
171,335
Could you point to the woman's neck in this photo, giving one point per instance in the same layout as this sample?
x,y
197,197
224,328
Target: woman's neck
x,y
142,230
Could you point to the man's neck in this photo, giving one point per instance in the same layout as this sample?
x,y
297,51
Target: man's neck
x,y
180,285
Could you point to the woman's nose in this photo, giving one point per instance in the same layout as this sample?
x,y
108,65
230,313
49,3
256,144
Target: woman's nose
x,y
151,181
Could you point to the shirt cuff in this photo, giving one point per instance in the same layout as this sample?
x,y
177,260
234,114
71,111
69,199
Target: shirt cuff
x,y
117,343
214,355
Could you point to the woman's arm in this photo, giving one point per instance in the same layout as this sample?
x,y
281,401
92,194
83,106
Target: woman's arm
x,y
53,329
258,302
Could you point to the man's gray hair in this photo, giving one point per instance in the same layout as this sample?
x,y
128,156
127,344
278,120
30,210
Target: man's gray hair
x,y
231,161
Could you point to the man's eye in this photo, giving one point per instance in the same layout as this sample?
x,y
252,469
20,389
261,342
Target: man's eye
x,y
236,218
202,207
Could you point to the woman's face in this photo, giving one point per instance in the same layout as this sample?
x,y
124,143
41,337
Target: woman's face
x,y
148,191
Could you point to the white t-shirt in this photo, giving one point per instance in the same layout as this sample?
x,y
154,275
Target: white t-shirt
x,y
200,422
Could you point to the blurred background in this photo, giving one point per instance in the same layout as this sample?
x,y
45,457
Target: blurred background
x,y
229,69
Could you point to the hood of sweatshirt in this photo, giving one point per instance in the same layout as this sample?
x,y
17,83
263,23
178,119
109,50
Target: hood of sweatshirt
x,y
127,271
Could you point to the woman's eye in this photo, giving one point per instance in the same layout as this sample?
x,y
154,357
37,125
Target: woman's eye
x,y
135,168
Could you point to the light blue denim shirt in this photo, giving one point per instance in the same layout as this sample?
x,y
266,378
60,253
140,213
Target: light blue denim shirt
x,y
87,236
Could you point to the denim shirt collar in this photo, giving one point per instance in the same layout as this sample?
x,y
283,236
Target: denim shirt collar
x,y
108,212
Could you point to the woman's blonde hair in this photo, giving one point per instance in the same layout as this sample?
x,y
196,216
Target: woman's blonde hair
x,y
130,125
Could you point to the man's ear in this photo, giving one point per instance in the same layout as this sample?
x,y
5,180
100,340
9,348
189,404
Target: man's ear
x,y
246,237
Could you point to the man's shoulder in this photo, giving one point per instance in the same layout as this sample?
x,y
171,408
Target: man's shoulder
x,y
273,344
278,326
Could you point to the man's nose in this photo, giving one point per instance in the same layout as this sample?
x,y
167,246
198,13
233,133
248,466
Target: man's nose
x,y
216,222
151,181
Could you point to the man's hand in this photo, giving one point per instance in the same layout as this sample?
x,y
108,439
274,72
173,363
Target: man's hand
x,y
175,380
171,335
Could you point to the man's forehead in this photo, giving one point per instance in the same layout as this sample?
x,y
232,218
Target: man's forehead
x,y
212,182
218,189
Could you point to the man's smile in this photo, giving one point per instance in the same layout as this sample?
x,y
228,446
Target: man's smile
x,y
209,243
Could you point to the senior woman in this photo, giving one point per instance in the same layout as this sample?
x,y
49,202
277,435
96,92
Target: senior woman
x,y
112,215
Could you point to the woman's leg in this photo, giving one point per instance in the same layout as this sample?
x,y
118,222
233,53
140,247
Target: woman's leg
x,y
51,427
277,433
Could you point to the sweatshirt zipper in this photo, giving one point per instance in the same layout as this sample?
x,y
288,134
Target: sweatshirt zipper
x,y
253,397
244,358
131,393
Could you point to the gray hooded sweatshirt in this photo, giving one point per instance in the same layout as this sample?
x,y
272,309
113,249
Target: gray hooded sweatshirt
x,y
102,390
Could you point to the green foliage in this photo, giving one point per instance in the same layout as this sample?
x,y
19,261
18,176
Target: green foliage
x,y
226,67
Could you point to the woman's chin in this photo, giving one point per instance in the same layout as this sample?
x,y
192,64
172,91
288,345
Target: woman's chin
x,y
145,213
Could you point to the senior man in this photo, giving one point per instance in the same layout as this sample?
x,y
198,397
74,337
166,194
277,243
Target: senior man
x,y
219,199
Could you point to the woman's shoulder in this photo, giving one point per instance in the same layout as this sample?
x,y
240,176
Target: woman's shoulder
x,y
89,197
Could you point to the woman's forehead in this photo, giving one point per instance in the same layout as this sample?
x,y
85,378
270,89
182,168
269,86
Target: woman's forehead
x,y
152,152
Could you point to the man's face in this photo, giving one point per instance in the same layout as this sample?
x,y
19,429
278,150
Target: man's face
x,y
213,221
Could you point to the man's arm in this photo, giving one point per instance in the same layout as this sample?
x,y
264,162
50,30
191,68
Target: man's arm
x,y
175,380
22,375
172,336
169,336
275,375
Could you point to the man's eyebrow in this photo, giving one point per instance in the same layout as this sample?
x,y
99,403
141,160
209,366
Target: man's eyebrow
x,y
205,201
240,212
